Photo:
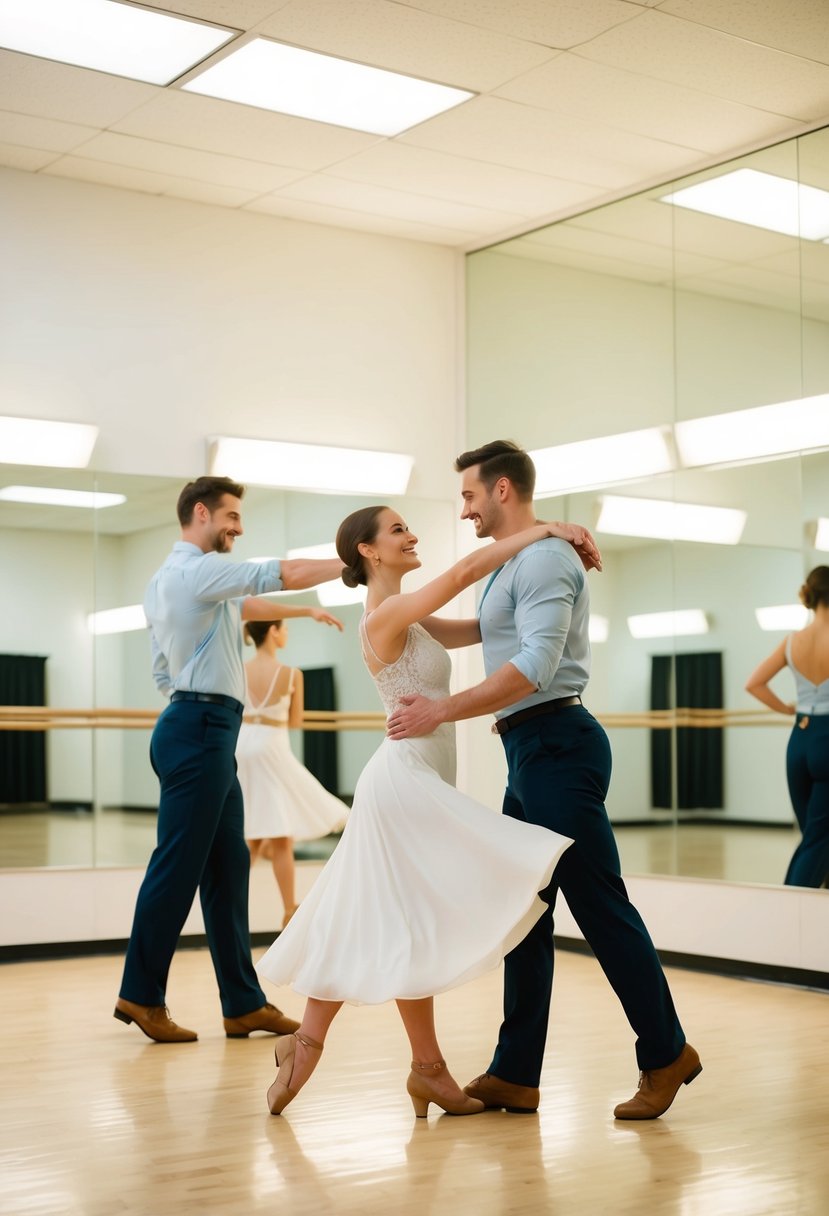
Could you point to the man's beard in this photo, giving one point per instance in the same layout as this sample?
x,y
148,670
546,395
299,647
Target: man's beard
x,y
221,543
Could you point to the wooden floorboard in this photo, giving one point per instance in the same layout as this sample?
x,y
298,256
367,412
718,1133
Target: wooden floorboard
x,y
99,1121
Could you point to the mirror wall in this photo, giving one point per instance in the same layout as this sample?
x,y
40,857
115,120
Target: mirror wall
x,y
61,564
649,314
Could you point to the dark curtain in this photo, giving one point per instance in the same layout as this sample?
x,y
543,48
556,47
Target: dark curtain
x,y
319,747
661,698
22,752
698,684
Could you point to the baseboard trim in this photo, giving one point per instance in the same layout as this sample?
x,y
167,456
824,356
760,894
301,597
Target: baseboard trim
x,y
797,977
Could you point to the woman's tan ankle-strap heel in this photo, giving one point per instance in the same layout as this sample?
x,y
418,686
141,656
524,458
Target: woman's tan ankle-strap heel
x,y
422,1090
280,1093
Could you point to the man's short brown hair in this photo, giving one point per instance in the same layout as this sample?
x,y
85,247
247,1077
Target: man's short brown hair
x,y
210,491
502,458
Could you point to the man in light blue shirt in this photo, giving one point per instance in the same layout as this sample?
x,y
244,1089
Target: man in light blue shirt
x,y
194,606
533,622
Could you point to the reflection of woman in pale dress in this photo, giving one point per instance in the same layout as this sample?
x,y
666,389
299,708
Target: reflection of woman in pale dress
x,y
283,801
806,654
427,888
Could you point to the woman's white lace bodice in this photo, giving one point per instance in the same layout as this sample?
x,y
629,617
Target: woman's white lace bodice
x,y
424,667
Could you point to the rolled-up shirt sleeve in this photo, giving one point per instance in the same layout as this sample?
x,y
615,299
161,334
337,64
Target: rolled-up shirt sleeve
x,y
216,579
161,668
545,587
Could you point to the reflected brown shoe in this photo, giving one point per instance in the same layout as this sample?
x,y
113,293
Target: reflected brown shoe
x,y
268,1018
658,1087
503,1095
154,1020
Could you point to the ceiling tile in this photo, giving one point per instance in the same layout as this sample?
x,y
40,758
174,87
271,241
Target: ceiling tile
x,y
800,29
504,132
56,90
340,217
363,196
749,283
126,178
131,152
210,125
13,156
236,14
553,25
666,111
580,260
42,133
461,180
696,57
404,39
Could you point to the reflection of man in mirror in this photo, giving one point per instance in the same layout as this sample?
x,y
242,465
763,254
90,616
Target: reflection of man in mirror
x,y
533,622
194,605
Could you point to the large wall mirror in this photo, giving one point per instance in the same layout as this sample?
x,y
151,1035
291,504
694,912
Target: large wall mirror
x,y
97,801
641,316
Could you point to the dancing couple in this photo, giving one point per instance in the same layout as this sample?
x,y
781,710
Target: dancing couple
x,y
428,889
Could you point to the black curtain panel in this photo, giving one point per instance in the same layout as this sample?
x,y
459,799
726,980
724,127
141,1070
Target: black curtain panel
x,y
661,698
22,752
690,681
319,747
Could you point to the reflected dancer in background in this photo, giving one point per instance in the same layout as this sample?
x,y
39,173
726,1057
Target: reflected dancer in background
x,y
806,654
283,801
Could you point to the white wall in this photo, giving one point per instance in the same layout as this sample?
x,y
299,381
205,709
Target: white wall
x,y
166,321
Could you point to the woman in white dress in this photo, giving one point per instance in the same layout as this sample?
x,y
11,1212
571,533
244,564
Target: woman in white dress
x,y
283,801
427,888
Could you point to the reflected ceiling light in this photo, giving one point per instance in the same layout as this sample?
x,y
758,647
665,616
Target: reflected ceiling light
x,y
821,535
762,200
598,628
782,617
306,84
765,430
590,463
305,466
663,519
117,620
122,39
684,622
65,445
333,593
49,497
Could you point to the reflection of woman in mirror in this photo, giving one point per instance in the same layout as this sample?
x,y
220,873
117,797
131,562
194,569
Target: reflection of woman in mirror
x,y
283,801
806,654
427,888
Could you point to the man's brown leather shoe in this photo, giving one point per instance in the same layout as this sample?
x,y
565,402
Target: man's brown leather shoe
x,y
503,1095
154,1020
267,1018
658,1087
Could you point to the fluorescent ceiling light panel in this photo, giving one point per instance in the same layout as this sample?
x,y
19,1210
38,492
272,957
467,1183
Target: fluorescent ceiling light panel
x,y
121,39
306,84
685,622
762,200
117,620
822,535
599,462
305,466
598,628
782,617
765,430
48,497
66,445
664,519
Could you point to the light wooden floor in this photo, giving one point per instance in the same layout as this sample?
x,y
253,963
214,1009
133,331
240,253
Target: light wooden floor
x,y
98,1121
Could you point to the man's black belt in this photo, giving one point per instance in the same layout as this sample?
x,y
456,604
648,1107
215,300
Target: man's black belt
x,y
535,711
215,698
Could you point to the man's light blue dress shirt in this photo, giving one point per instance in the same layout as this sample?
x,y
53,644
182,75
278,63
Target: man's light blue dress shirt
x,y
193,609
535,615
